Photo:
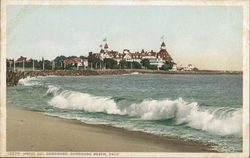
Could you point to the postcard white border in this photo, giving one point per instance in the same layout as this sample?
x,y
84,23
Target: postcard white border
x,y
245,45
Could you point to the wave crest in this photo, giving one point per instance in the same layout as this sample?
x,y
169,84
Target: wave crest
x,y
28,81
222,121
82,101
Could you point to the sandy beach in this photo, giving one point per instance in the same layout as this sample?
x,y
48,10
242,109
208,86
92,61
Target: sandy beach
x,y
34,131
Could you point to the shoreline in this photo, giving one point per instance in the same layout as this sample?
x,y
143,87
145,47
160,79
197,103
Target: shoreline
x,y
34,131
12,77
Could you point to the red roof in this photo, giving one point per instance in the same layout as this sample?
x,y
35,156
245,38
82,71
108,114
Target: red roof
x,y
21,59
119,56
74,60
114,54
164,55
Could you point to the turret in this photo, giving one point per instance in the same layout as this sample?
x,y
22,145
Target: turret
x,y
106,46
163,46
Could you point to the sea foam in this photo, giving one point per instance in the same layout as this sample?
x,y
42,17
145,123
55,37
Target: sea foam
x,y
82,101
28,81
133,73
220,121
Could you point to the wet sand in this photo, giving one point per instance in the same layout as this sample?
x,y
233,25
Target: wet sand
x,y
34,131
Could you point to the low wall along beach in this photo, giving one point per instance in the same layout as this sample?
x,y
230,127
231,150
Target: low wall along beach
x,y
12,77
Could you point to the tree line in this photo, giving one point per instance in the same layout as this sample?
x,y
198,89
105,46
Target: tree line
x,y
110,63
93,62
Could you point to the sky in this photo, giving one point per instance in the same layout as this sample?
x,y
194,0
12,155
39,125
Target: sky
x,y
209,37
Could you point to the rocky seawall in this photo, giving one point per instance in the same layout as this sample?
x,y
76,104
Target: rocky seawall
x,y
13,77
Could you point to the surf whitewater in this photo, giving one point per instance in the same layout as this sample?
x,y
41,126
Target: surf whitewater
x,y
188,107
217,121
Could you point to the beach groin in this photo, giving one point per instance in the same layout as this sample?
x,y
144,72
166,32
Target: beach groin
x,y
13,77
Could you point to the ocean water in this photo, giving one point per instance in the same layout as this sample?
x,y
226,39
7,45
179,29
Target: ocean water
x,y
206,108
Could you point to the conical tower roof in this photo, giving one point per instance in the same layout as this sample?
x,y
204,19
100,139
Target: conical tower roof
x,y
163,44
106,46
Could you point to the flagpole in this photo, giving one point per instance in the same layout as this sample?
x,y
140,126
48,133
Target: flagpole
x,y
162,37
43,64
14,64
23,65
33,65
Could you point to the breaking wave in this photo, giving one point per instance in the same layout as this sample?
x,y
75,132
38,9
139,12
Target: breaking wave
x,y
220,121
28,81
133,73
82,101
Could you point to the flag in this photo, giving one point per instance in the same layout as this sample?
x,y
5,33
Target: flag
x,y
162,37
105,40
100,46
